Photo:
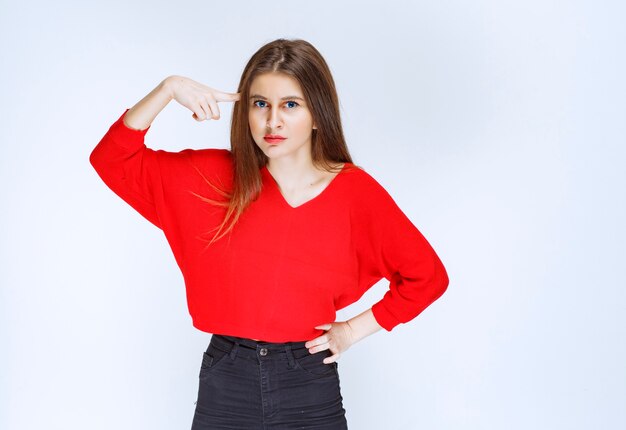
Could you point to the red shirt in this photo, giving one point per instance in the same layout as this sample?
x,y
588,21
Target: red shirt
x,y
284,270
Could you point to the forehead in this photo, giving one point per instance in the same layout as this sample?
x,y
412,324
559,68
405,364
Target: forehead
x,y
275,84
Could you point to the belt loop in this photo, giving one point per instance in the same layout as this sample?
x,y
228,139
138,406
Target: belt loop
x,y
292,362
233,352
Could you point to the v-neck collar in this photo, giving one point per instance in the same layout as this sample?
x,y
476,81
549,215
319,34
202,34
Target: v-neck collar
x,y
274,185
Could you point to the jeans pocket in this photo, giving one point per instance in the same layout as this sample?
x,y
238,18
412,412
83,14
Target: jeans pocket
x,y
313,364
211,358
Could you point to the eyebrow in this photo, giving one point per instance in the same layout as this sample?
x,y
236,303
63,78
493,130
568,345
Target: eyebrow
x,y
258,96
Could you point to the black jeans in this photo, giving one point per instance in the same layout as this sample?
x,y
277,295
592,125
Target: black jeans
x,y
246,384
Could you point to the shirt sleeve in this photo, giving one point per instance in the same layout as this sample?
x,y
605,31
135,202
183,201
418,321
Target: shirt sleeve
x,y
128,167
395,249
149,179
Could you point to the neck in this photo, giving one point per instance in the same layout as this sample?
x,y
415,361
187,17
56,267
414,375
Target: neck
x,y
293,174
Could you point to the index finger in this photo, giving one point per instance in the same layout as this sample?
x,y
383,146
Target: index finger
x,y
228,97
320,340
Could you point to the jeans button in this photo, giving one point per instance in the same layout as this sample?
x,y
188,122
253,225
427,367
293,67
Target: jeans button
x,y
263,352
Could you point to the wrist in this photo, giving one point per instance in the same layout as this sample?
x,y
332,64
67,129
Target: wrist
x,y
168,85
352,334
363,325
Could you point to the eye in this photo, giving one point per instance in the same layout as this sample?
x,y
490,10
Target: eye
x,y
291,104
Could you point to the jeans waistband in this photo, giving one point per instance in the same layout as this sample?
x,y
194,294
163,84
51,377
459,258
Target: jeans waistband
x,y
253,348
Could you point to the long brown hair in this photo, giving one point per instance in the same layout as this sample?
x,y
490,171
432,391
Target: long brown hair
x,y
301,60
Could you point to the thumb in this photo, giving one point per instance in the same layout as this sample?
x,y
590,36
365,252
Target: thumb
x,y
324,327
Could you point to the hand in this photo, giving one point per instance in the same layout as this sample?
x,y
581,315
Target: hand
x,y
338,338
199,98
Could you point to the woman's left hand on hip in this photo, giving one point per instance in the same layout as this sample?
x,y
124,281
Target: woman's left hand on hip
x,y
337,337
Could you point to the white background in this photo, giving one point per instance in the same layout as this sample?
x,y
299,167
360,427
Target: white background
x,y
497,126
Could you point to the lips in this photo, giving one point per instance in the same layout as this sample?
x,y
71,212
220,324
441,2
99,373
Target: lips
x,y
273,138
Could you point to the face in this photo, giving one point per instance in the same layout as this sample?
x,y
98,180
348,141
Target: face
x,y
277,108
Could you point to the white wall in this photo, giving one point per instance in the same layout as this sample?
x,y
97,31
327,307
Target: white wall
x,y
497,126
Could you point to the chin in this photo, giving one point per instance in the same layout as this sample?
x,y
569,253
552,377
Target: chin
x,y
272,154
270,150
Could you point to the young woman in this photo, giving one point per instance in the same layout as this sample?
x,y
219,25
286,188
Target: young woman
x,y
273,237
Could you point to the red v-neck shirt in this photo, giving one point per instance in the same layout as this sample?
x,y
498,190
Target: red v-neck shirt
x,y
284,270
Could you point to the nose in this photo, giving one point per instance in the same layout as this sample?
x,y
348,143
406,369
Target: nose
x,y
274,120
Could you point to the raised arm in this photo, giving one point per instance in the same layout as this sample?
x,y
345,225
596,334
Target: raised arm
x,y
139,174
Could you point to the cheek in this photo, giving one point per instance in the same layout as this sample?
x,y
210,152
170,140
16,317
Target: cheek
x,y
254,124
305,124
